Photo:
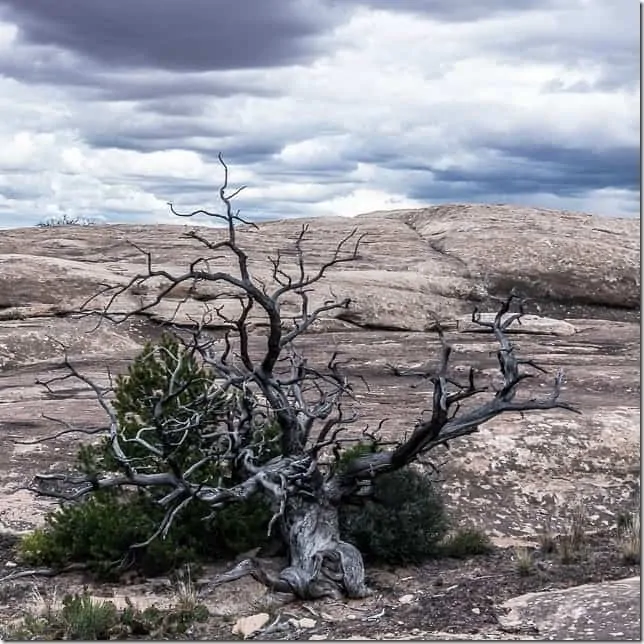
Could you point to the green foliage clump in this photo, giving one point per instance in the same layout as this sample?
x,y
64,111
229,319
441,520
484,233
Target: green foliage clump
x,y
355,451
154,403
466,542
625,521
403,522
86,619
100,529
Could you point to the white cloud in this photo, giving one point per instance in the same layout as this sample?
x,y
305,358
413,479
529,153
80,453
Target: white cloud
x,y
363,200
595,202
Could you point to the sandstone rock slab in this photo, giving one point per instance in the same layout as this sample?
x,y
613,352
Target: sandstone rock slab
x,y
605,611
527,324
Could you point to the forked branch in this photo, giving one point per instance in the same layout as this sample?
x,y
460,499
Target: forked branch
x,y
448,420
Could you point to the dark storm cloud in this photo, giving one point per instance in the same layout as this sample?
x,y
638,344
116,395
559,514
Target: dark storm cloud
x,y
529,169
156,134
186,35
109,140
580,169
456,10
148,131
180,106
40,65
241,151
180,187
122,87
318,174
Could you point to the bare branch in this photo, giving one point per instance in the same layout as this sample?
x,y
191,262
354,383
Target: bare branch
x,y
446,422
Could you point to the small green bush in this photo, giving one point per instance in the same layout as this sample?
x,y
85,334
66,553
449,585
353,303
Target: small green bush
x,y
100,529
466,542
137,396
625,521
629,536
87,619
143,389
523,561
355,451
402,523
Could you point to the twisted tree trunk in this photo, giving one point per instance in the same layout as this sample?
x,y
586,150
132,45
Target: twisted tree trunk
x,y
321,564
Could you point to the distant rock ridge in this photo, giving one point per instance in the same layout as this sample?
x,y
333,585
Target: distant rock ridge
x,y
417,267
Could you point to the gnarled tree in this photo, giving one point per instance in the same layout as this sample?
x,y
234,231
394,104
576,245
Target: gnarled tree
x,y
304,483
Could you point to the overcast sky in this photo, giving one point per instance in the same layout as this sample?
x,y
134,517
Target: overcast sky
x,y
111,109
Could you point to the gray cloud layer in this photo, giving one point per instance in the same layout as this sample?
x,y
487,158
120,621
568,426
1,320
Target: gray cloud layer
x,y
179,35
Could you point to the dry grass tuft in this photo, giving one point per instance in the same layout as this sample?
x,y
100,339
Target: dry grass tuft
x,y
187,600
629,538
523,561
578,525
547,540
45,605
572,542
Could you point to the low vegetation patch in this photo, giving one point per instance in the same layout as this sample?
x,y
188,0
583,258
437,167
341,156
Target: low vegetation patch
x,y
66,220
466,542
106,530
629,532
404,522
524,561
99,532
79,616
547,538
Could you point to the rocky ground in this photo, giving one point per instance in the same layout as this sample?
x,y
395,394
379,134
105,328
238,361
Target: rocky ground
x,y
417,267
593,596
